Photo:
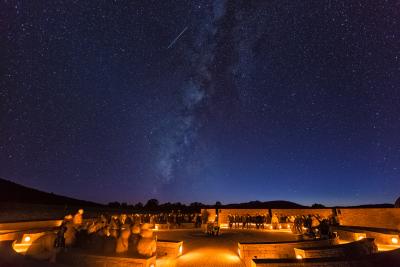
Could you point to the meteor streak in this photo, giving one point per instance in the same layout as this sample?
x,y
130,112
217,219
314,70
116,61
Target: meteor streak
x,y
177,38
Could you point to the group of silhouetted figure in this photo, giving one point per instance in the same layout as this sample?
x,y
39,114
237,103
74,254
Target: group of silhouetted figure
x,y
309,225
132,234
171,219
247,221
123,234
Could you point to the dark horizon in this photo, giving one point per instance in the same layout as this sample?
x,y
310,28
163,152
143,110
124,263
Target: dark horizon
x,y
211,101
143,202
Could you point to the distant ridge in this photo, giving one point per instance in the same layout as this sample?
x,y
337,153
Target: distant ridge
x,y
384,205
276,204
13,192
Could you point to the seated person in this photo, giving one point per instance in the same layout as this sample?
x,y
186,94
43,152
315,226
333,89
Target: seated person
x,y
123,242
78,220
146,245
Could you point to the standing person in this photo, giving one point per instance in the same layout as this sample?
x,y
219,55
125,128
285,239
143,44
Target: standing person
x,y
78,218
198,221
262,221
236,218
308,224
230,219
275,221
59,242
258,221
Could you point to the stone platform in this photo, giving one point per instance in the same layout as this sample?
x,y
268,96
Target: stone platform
x,y
202,250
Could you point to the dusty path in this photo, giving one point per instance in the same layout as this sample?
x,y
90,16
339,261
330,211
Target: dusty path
x,y
202,250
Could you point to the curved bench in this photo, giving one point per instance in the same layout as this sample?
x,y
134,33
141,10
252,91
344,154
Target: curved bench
x,y
350,234
10,258
73,257
277,250
169,248
381,236
360,248
386,259
82,258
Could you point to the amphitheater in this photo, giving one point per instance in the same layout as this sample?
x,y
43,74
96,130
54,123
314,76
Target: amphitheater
x,y
363,237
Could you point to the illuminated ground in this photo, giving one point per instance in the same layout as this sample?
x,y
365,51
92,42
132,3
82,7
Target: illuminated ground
x,y
202,250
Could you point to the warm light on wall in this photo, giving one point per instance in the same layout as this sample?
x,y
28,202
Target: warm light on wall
x,y
360,237
395,240
26,242
180,249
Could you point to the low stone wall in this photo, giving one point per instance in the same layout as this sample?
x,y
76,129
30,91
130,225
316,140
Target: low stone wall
x,y
166,226
293,212
380,237
11,231
384,259
300,263
387,218
89,260
383,238
171,249
277,250
350,235
223,213
359,248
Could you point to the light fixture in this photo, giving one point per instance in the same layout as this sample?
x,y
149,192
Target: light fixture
x,y
299,257
180,249
395,240
27,238
360,237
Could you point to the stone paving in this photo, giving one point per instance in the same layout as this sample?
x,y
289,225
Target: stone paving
x,y
202,250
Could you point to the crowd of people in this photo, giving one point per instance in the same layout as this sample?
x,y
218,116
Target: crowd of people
x,y
172,219
310,225
127,234
131,234
107,235
248,221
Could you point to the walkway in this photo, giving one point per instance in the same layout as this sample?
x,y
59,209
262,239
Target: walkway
x,y
202,250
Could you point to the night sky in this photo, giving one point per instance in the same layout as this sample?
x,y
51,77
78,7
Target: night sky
x,y
202,100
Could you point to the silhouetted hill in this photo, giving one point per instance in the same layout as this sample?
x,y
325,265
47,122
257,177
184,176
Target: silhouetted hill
x,y
384,205
276,204
12,192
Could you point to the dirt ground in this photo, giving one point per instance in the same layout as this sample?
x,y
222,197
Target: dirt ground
x,y
202,250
